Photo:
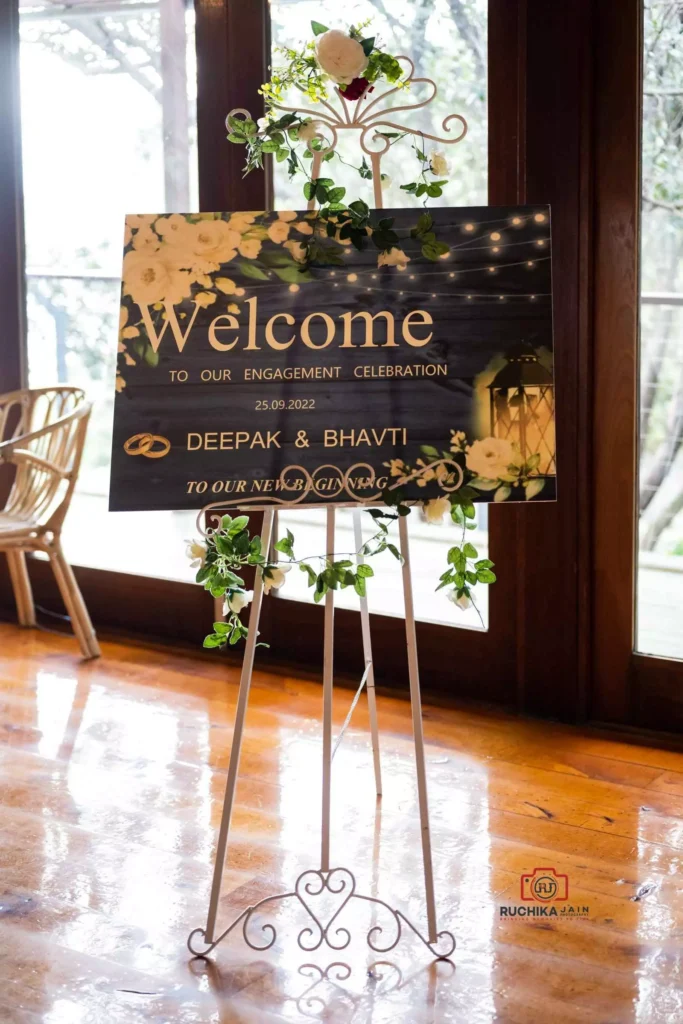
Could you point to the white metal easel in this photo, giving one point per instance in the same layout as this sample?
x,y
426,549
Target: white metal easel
x,y
366,117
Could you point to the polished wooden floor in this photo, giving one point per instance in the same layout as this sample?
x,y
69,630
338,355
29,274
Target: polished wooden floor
x,y
111,782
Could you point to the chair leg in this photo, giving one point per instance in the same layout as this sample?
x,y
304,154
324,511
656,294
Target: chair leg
x,y
21,585
73,599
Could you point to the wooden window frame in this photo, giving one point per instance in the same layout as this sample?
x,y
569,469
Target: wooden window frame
x,y
551,70
632,689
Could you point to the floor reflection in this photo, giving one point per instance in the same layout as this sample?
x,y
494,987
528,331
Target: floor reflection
x,y
112,778
332,992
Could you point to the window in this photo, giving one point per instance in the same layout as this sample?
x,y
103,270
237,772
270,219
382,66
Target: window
x,y
114,133
447,42
660,558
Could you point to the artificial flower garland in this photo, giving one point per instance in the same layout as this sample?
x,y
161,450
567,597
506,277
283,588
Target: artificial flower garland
x,y
353,62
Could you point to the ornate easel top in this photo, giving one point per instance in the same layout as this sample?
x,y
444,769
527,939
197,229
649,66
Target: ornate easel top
x,y
367,115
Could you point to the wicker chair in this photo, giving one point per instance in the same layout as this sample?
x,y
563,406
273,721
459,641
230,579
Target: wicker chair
x,y
42,433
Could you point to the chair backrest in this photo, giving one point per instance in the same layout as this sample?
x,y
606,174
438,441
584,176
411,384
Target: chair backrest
x,y
42,433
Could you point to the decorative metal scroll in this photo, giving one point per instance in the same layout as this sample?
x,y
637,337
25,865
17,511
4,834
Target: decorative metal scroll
x,y
310,884
368,116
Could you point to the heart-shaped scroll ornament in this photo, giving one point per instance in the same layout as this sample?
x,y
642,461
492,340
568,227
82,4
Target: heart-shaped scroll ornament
x,y
324,894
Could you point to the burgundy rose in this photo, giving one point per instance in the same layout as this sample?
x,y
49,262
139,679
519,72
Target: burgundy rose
x,y
355,89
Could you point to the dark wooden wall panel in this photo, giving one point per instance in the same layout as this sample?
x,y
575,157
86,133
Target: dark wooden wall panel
x,y
540,152
12,286
617,184
233,47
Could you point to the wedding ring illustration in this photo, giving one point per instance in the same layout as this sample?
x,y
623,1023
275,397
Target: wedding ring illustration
x,y
144,444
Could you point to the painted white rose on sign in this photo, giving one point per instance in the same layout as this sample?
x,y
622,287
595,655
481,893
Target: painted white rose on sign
x,y
394,258
491,457
203,247
150,278
342,57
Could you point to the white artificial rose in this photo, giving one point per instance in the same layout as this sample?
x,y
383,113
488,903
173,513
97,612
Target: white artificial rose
x,y
340,56
394,258
436,509
196,552
438,164
278,231
276,578
308,130
491,457
152,277
238,600
463,602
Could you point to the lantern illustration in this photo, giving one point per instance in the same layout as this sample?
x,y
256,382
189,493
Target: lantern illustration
x,y
523,406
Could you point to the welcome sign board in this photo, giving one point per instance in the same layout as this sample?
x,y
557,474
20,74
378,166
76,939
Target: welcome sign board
x,y
246,378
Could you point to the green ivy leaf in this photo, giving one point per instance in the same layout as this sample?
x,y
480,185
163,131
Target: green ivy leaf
x,y
213,640
318,28
395,552
470,551
311,573
237,525
365,570
486,576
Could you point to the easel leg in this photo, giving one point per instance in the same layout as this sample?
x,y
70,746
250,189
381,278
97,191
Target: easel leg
x,y
367,656
233,767
328,670
416,704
